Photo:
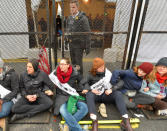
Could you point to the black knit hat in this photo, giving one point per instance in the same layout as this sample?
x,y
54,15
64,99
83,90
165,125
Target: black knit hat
x,y
162,62
35,63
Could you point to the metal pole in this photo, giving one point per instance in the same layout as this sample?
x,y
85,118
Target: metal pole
x,y
49,32
62,28
129,46
138,31
54,32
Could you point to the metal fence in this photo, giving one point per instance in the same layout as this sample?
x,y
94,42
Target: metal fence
x,y
24,28
121,32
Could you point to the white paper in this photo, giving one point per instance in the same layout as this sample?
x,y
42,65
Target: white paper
x,y
3,91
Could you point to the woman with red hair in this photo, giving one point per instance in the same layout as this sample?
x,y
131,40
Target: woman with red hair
x,y
97,88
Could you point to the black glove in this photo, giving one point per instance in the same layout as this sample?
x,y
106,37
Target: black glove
x,y
118,86
87,51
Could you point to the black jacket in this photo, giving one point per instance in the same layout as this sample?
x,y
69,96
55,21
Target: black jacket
x,y
35,84
10,82
89,80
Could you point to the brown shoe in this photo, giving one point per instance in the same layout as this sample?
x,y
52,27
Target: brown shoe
x,y
125,124
95,125
148,107
3,124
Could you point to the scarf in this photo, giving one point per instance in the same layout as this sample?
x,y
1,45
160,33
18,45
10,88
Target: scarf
x,y
62,76
63,86
103,83
161,79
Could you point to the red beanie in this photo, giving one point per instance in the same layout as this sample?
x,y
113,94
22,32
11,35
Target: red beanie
x,y
97,63
146,67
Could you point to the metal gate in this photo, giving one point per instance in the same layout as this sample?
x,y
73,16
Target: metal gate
x,y
110,23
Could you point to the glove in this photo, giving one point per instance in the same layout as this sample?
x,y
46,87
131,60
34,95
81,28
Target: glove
x,y
87,51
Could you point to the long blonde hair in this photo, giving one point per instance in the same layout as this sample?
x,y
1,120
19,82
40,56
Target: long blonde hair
x,y
152,76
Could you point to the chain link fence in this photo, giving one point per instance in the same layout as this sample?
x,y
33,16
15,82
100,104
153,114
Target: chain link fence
x,y
108,22
153,39
23,30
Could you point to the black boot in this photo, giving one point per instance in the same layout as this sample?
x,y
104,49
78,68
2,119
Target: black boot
x,y
17,117
125,124
95,125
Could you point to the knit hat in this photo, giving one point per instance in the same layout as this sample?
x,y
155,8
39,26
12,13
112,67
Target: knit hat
x,y
35,63
97,62
146,67
162,61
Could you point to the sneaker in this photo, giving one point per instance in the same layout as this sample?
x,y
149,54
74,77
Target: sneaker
x,y
102,110
3,123
61,127
162,112
66,128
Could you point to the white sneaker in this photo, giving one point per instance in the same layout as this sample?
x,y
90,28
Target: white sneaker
x,y
162,112
66,128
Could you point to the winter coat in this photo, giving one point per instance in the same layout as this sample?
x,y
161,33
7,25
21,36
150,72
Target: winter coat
x,y
130,78
35,84
79,24
154,88
10,82
90,80
61,96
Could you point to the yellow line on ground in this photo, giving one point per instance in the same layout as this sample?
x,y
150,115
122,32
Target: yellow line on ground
x,y
113,127
26,60
15,60
132,120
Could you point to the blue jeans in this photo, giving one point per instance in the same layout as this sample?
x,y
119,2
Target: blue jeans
x,y
72,120
6,109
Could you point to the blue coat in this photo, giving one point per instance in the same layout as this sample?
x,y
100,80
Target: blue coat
x,y
130,78
154,88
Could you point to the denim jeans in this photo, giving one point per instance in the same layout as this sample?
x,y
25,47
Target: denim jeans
x,y
6,109
72,120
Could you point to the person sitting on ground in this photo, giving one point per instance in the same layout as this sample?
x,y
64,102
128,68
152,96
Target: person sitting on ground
x,y
35,87
9,83
132,82
65,77
156,86
96,85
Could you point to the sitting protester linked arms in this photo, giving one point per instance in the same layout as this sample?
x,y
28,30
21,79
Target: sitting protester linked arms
x,y
68,102
96,85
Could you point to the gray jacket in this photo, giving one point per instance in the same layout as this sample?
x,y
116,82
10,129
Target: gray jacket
x,y
78,24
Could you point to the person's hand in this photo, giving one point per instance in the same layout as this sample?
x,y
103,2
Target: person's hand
x,y
95,92
87,51
49,92
146,89
159,96
109,91
31,98
84,91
